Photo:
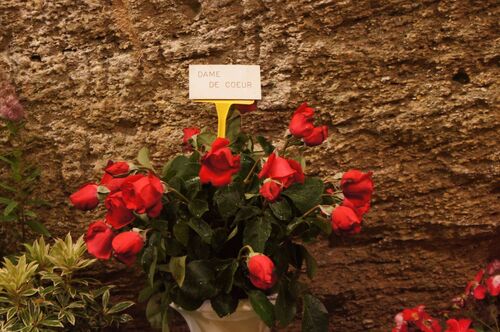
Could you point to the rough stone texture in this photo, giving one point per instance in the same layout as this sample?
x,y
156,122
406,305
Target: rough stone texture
x,y
409,89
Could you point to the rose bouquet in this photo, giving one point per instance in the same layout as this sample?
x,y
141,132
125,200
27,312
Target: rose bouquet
x,y
225,221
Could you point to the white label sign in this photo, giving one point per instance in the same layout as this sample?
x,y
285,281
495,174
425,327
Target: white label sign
x,y
224,82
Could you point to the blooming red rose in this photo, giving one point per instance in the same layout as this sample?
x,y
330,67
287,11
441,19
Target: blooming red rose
x,y
246,108
188,133
218,165
286,171
126,246
86,197
114,175
461,325
359,209
261,271
143,194
118,214
98,240
317,136
345,221
493,284
357,187
301,124
271,190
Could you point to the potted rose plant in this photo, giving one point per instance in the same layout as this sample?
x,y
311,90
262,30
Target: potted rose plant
x,y
220,230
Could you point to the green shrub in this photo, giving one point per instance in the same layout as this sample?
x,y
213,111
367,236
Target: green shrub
x,y
43,290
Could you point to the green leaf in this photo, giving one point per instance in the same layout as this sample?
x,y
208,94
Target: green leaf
x,y
202,228
205,138
225,278
266,145
305,196
164,322
263,307
143,158
293,225
9,208
38,227
181,233
181,167
224,304
51,323
119,307
152,267
286,306
7,187
281,210
311,264
233,126
199,282
177,267
148,291
198,207
315,315
154,311
232,234
228,200
256,233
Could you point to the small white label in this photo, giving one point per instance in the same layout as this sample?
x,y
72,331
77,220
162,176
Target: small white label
x,y
224,82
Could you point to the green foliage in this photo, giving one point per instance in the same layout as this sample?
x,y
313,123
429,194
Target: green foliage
x,y
44,290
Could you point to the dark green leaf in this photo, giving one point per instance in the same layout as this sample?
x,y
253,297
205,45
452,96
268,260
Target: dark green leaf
x,y
199,282
311,265
266,145
225,278
148,291
293,225
224,304
286,306
7,187
202,229
247,212
305,196
177,267
263,307
152,267
154,311
256,233
281,209
228,200
38,227
198,207
315,315
181,233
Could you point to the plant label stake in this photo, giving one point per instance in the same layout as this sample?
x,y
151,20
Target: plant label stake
x,y
224,85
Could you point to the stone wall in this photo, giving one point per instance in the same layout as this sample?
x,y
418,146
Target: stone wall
x,y
409,89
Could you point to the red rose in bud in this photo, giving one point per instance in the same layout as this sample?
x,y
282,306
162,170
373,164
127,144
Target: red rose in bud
x,y
360,209
317,136
261,271
118,214
98,240
493,267
218,165
126,246
85,198
345,221
114,175
461,325
475,288
286,171
143,194
271,190
301,124
188,133
493,284
357,187
246,108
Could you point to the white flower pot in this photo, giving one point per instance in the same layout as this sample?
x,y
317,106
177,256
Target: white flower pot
x,y
205,319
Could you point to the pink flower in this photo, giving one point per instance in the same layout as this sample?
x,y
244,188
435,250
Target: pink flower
x,y
10,107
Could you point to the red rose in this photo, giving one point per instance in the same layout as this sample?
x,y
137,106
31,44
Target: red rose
x,y
475,287
493,267
114,175
261,271
126,246
86,197
417,317
218,165
246,108
188,133
118,214
143,194
286,171
271,190
461,325
493,284
345,220
98,240
317,136
301,124
360,209
357,187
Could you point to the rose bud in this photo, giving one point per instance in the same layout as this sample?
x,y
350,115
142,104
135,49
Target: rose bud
x,y
271,190
286,171
357,187
188,133
360,209
301,124
218,165
475,288
493,284
317,136
126,246
143,194
461,325
345,220
98,240
114,175
493,267
85,198
118,214
261,271
246,108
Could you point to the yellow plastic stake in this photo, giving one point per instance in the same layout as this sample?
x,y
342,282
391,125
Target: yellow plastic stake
x,y
222,107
